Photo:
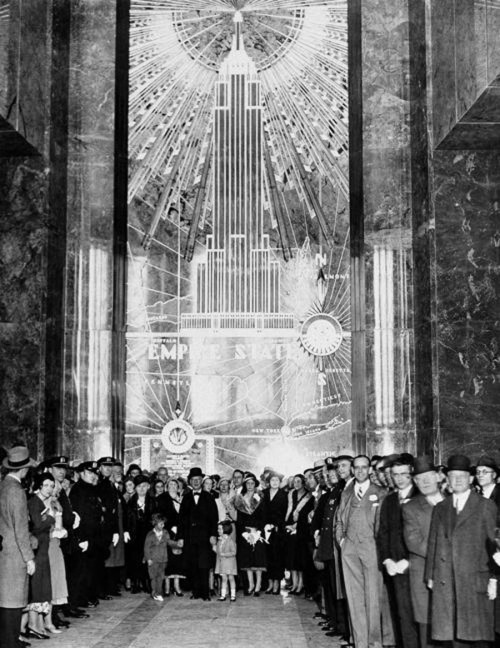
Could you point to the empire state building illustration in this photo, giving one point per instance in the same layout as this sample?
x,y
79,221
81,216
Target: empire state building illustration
x,y
238,285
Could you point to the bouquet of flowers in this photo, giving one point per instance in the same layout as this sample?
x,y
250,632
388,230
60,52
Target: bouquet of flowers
x,y
252,536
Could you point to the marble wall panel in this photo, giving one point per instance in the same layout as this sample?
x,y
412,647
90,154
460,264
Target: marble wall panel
x,y
465,56
467,194
23,205
493,42
442,67
26,92
481,43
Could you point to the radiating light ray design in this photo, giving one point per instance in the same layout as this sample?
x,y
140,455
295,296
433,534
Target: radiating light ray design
x,y
300,50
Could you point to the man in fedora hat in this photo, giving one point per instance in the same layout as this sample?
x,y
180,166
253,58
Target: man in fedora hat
x,y
417,514
198,530
16,558
458,566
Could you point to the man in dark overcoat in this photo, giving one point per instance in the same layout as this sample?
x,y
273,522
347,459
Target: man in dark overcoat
x,y
109,497
459,568
417,514
198,530
393,553
86,502
16,558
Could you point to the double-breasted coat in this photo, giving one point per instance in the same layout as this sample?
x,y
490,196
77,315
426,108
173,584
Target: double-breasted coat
x,y
16,544
459,564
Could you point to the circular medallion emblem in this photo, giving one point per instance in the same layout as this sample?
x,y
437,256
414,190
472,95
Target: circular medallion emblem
x,y
177,436
321,334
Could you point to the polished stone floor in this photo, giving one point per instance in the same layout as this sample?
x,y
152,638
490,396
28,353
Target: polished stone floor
x,y
136,621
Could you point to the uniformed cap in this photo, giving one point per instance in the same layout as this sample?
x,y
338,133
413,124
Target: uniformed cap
x,y
58,462
106,461
88,465
346,454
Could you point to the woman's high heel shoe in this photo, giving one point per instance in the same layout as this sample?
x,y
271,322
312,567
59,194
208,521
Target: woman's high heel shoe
x,y
178,593
53,629
250,592
33,634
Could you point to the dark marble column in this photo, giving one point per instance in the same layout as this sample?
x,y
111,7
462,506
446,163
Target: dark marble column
x,y
24,97
394,408
85,408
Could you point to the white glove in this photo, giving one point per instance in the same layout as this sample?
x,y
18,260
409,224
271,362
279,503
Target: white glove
x,y
174,529
430,584
496,557
391,567
30,567
76,523
492,589
84,545
402,566
116,537
126,537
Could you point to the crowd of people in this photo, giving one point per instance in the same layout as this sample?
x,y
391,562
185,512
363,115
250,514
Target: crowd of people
x,y
393,551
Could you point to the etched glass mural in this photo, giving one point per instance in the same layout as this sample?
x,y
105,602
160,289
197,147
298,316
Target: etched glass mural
x,y
238,326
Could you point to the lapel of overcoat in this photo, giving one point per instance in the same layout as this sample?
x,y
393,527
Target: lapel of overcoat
x,y
470,505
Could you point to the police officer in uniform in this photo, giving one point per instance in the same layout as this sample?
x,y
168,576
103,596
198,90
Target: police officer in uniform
x,y
85,501
58,467
322,527
110,533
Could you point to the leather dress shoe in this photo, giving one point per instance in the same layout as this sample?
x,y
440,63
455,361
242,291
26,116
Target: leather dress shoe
x,y
92,604
74,614
106,597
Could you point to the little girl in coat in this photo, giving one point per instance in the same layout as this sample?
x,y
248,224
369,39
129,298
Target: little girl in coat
x,y
156,553
225,565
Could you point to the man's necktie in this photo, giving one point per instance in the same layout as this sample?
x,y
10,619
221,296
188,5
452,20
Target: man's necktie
x,y
359,494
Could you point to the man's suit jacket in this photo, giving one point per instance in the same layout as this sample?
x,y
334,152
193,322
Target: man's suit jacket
x,y
417,514
459,564
197,523
370,505
390,540
16,544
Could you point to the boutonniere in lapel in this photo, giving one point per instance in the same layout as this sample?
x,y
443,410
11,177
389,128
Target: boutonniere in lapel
x,y
373,498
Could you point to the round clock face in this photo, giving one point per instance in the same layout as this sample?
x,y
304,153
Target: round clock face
x,y
321,334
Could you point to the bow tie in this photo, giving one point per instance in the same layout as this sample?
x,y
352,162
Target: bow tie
x,y
196,492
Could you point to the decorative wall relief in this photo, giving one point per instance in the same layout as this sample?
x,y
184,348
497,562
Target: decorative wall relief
x,y
238,327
